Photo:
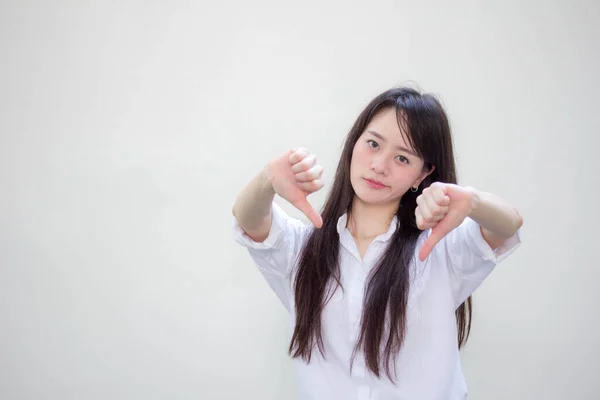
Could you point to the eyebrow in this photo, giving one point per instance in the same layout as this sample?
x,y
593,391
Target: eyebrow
x,y
377,135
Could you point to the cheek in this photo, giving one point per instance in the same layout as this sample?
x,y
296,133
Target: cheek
x,y
354,162
404,178
359,164
360,156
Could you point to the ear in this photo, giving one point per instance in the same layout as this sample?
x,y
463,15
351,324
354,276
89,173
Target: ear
x,y
424,174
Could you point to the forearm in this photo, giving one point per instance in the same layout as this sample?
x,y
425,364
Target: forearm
x,y
252,208
496,216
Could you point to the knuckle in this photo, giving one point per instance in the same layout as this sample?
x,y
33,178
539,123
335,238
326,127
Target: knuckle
x,y
315,172
301,176
308,161
298,154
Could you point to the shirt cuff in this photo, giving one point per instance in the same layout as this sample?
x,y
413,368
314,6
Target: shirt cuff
x,y
486,252
274,238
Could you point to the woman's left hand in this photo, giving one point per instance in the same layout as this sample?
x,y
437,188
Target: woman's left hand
x,y
442,207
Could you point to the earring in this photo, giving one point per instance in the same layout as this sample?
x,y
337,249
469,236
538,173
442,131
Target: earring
x,y
414,189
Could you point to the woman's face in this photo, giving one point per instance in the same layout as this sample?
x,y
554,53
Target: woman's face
x,y
383,165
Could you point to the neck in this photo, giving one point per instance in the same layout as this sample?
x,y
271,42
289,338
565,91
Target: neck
x,y
370,220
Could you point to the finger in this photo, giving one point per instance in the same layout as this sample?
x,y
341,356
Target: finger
x,y
304,206
314,173
440,197
419,218
305,164
437,212
298,155
436,202
424,210
435,218
421,223
311,186
431,211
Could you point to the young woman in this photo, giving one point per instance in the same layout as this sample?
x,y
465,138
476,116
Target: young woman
x,y
378,286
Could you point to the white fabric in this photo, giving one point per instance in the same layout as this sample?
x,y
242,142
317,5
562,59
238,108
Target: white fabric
x,y
428,366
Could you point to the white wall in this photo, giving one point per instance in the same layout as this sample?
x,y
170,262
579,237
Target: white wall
x,y
127,130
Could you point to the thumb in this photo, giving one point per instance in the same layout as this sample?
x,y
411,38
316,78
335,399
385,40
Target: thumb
x,y
437,233
425,249
304,206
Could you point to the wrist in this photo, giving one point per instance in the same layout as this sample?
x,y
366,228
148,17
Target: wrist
x,y
476,201
266,180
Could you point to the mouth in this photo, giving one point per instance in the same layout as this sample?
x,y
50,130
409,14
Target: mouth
x,y
375,184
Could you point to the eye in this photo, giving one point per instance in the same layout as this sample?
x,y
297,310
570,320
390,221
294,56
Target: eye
x,y
373,144
402,159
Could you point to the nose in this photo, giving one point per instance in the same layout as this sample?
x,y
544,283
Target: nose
x,y
379,165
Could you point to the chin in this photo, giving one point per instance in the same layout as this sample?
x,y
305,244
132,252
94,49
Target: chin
x,y
369,198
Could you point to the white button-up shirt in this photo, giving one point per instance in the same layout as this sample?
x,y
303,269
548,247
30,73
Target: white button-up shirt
x,y
428,365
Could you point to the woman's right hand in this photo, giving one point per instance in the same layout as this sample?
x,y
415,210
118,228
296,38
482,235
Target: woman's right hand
x,y
294,175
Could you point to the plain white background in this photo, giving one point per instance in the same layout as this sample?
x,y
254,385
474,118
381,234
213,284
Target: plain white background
x,y
128,128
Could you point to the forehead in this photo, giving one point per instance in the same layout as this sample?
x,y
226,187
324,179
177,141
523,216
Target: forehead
x,y
385,123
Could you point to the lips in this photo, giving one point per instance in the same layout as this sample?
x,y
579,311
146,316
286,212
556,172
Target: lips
x,y
375,184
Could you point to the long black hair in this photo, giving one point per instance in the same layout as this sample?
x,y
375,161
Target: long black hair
x,y
383,322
